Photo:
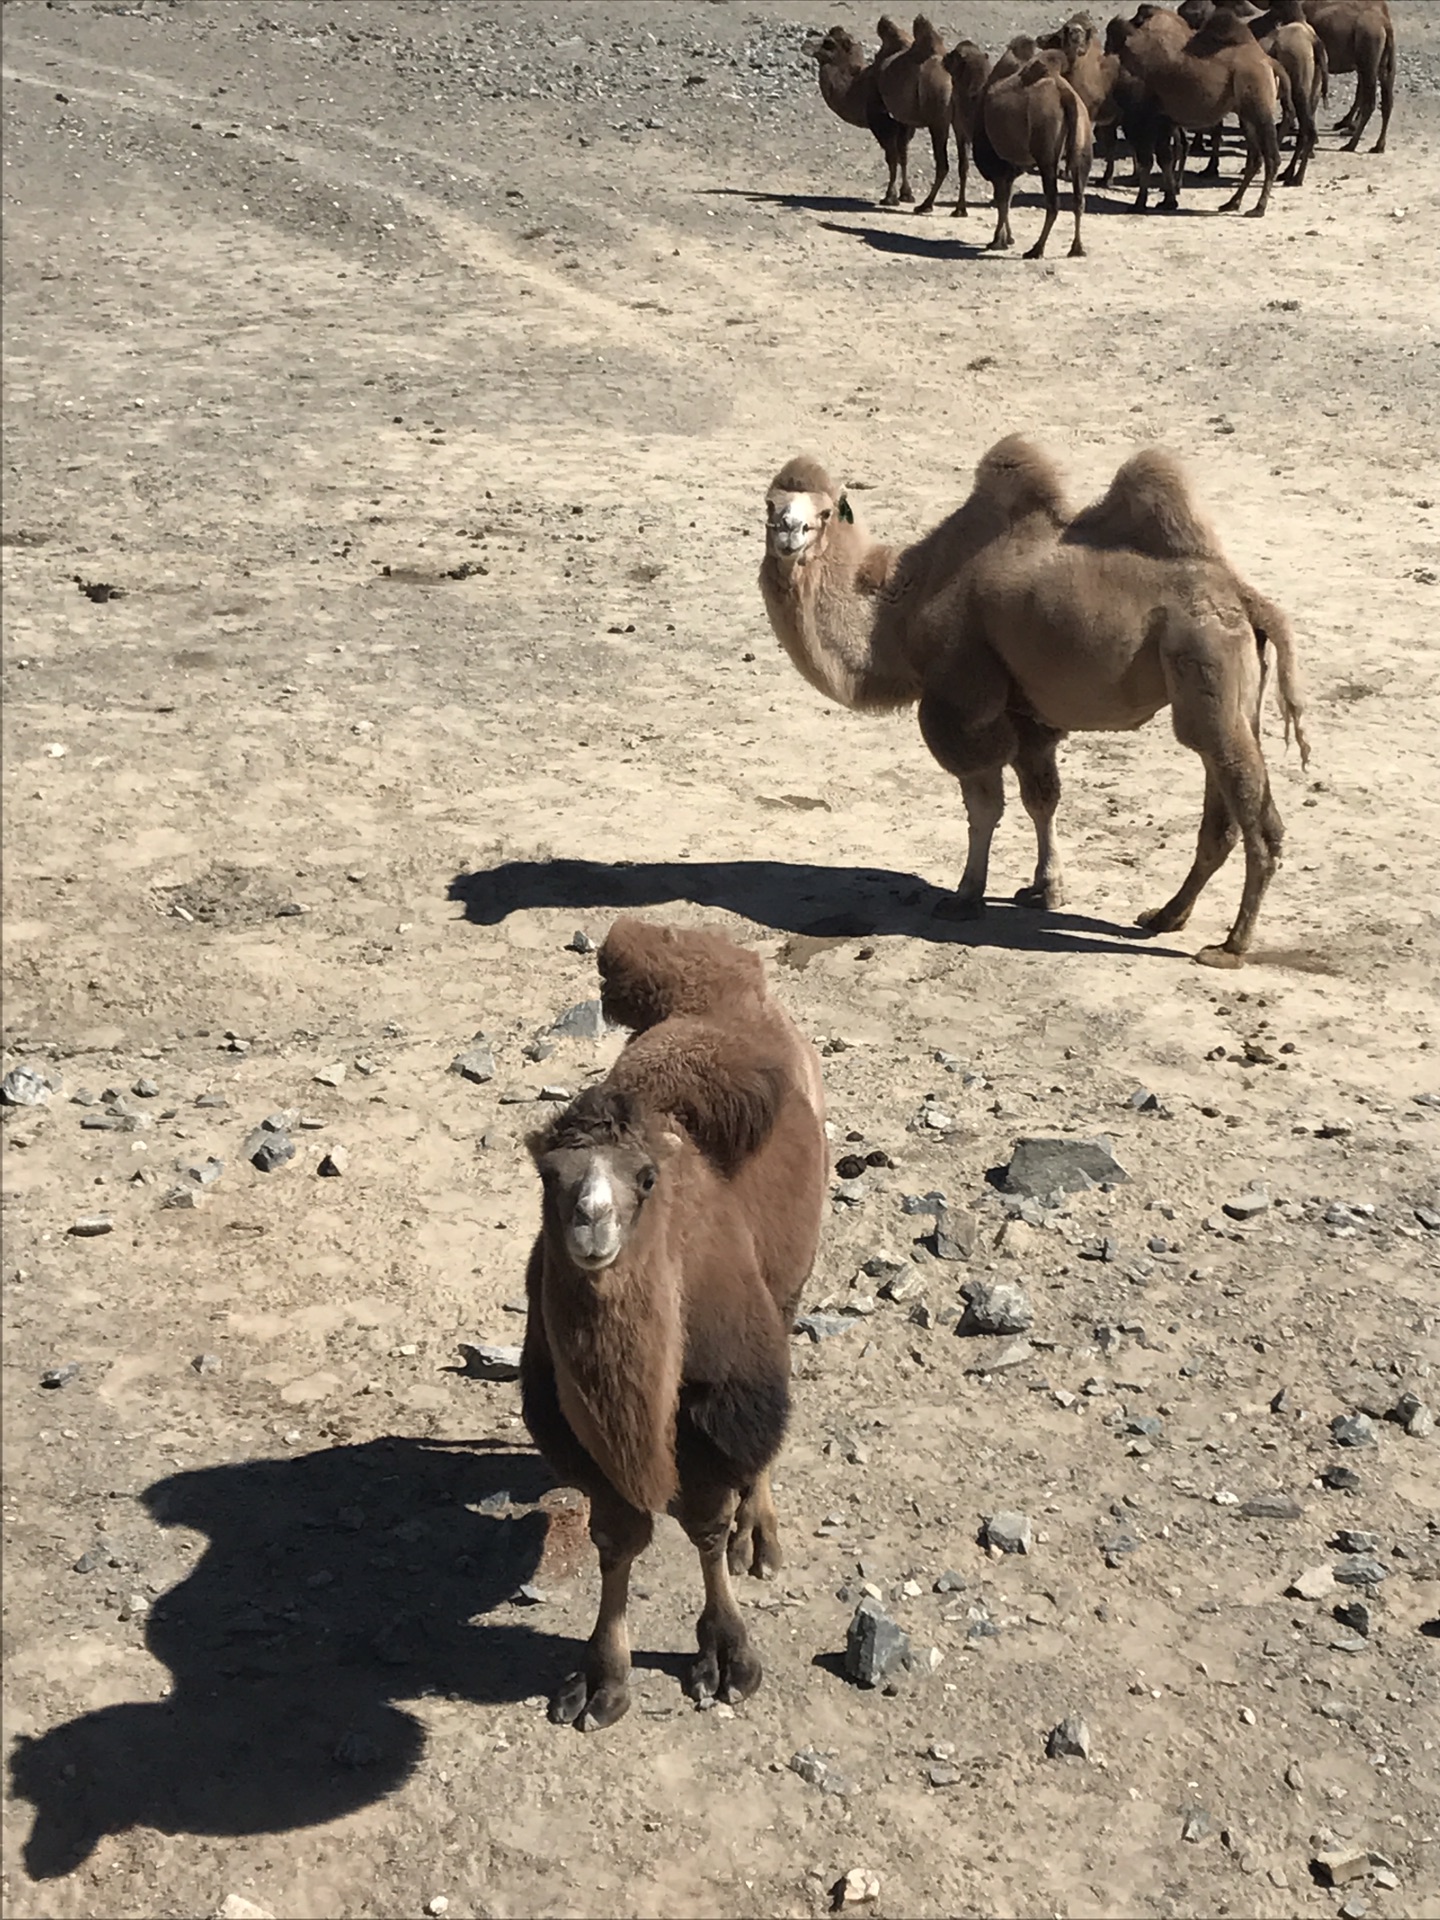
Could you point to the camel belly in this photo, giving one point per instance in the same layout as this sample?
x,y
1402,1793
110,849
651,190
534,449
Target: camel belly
x,y
1075,645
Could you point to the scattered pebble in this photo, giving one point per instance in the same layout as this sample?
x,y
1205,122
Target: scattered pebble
x,y
1194,1823
858,1886
331,1076
1336,1866
236,1907
1008,1532
995,1306
206,1363
584,1021
1248,1205
816,1771
580,942
1272,1506
269,1148
490,1362
1042,1165
478,1065
1071,1739
54,1377
24,1087
874,1645
334,1163
91,1225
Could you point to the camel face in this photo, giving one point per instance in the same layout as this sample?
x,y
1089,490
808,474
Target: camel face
x,y
794,524
595,1196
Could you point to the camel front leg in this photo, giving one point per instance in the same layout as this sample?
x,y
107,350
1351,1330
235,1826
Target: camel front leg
x,y
1269,146
755,1541
962,164
1218,833
1050,185
600,1694
940,146
728,1667
1002,237
1038,772
1252,167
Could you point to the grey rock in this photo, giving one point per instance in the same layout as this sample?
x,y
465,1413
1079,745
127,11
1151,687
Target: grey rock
x,y
1147,1425
477,1065
1355,1615
331,1076
24,1087
145,1090
1352,1430
922,1203
91,1225
901,1284
559,1095
527,1594
955,1235
584,1021
88,1562
268,1148
949,1583
1071,1739
185,1197
1041,1165
1336,1866
1194,1823
998,1358
538,1050
1248,1205
206,1363
824,1326
1341,1480
83,1097
874,1646
1429,1218
54,1377
995,1306
1116,1547
942,1776
1359,1570
816,1771
1271,1506
920,1315
334,1163
1315,1583
111,1121
201,1173
1009,1532
211,1100
1356,1540
580,942
1411,1413
491,1362
1143,1101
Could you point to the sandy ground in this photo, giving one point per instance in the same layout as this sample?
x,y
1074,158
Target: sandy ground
x,y
308,308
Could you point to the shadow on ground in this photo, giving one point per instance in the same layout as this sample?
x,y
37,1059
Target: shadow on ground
x,y
333,1585
831,903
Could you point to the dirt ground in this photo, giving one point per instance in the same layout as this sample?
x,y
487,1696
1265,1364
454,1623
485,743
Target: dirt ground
x,y
415,374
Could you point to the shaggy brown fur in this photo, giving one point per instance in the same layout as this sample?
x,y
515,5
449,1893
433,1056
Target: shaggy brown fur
x,y
968,66
1301,66
1015,622
915,88
681,1212
1032,118
1359,38
1198,79
848,85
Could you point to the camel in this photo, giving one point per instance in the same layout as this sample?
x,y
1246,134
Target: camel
x,y
1030,117
681,1210
1114,99
915,88
968,66
1015,622
1302,69
848,87
1359,38
1197,79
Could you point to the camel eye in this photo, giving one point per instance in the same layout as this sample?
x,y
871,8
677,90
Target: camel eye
x,y
646,1182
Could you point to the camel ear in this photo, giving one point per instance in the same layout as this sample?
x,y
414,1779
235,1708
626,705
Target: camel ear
x,y
845,510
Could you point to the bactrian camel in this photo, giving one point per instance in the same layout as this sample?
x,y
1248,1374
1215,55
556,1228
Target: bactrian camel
x,y
1015,622
681,1209
915,88
849,87
1359,38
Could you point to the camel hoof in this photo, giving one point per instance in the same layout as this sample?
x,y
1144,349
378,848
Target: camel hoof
x,y
1036,252
731,1675
955,907
1048,898
907,194
1077,252
1161,920
1379,147
960,213
576,1704
1255,213
1219,957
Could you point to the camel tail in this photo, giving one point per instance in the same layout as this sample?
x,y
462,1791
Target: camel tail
x,y
1322,65
1277,641
1077,137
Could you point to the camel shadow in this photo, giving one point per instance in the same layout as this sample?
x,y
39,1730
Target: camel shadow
x,y
333,1585
800,202
813,902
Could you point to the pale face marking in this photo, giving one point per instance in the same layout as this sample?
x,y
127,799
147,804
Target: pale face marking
x,y
791,521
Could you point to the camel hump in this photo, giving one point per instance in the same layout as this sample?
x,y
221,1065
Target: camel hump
x,y
1147,507
723,1085
927,36
802,474
1016,478
649,974
1222,29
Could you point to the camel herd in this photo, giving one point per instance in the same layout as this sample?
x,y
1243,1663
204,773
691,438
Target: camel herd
x,y
1046,105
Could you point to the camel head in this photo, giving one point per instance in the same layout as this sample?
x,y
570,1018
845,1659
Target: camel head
x,y
800,509
599,1163
837,48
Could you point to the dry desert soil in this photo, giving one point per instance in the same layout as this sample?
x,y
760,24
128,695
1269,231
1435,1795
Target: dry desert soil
x,y
413,374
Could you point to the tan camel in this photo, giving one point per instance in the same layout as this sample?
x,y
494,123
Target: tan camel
x,y
848,86
1013,623
915,89
1032,118
1200,78
1302,68
1359,38
682,1203
968,66
1115,100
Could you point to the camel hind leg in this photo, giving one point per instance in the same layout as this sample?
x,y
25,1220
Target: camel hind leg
x,y
940,145
1050,186
974,742
1212,670
755,1542
599,1695
728,1668
1039,776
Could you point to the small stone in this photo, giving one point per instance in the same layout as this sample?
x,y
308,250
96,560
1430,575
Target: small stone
x,y
955,1235
145,1090
1143,1101
1356,1540
200,1173
1354,1907
478,1065
211,1100
83,1097
88,1562
1429,1218
1194,1824
1271,1506
24,1087
1248,1205
1000,1357
334,1163
1070,1739
580,942
948,1583
856,1888
1341,1480
585,1021
236,1907
268,1149
557,1093
1336,1866
1008,1532
1359,1570
1355,1615
874,1645
364,1065
437,1904
824,1326
943,1776
491,1362
331,1076
206,1363
54,1377
995,1306
1411,1413
816,1771
91,1225
133,1607
1352,1430
1316,1583
1042,1165
527,1594
1294,1778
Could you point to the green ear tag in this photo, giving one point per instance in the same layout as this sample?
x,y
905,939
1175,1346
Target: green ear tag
x,y
844,509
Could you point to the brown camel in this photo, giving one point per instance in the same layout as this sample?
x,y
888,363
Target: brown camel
x,y
848,85
1014,622
1359,38
1114,99
682,1200
1031,118
1200,78
915,88
968,66
1302,69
